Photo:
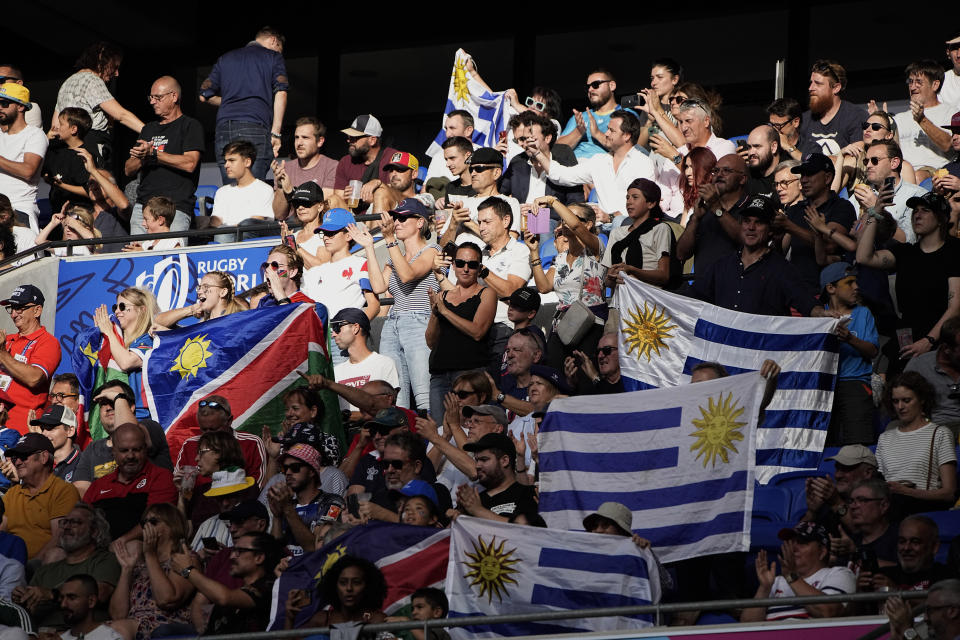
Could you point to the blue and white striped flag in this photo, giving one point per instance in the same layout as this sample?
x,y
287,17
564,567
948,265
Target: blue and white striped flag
x,y
664,335
488,109
681,459
500,568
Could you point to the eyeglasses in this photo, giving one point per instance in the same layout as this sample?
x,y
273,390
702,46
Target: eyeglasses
x,y
213,404
463,394
473,265
200,452
60,397
124,306
536,104
876,126
235,551
153,520
596,84
859,500
20,308
480,168
606,350
336,327
783,184
778,125
293,467
875,160
203,288
396,464
157,97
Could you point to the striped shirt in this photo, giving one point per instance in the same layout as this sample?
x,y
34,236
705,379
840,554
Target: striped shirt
x,y
905,456
412,297
829,580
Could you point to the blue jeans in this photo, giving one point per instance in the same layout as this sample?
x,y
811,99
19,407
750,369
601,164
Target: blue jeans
x,y
229,130
181,221
403,339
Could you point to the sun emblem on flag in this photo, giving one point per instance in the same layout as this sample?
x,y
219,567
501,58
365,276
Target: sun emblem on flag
x,y
717,430
648,330
490,567
331,558
460,88
193,357
92,355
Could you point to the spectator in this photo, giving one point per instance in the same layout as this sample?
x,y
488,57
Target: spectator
x,y
17,237
615,519
830,123
941,368
354,588
247,201
404,459
217,452
13,561
784,115
247,608
306,202
159,213
697,169
611,172
427,603
22,148
77,222
666,75
35,508
816,175
851,420
366,160
457,152
804,571
950,90
332,480
135,309
363,460
522,307
420,507
916,568
133,488
215,299
577,273
643,249
827,498
486,169
546,383
29,357
526,178
524,349
10,73
151,599
402,172
79,600
299,505
695,117
923,135
65,390
763,154
584,132
339,279
874,536
503,496
458,333
882,160
64,169
59,425
167,157
309,167
87,88
110,206
602,378
916,456
456,124
282,273
351,329
852,171
84,539
408,279
944,596
787,184
249,86
928,272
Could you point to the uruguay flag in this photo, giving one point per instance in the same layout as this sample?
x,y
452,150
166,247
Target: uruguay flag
x,y
663,336
488,109
251,358
497,568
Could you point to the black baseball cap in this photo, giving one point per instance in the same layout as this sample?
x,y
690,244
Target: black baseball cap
x,y
814,163
388,419
486,155
244,510
309,193
760,207
352,315
933,201
22,295
499,441
30,443
525,299
551,375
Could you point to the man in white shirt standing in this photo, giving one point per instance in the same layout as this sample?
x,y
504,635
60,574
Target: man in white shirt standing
x,y
248,200
22,148
924,137
350,328
612,172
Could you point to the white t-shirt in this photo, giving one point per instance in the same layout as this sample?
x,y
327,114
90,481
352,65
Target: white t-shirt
x,y
233,204
950,91
512,260
22,193
918,149
829,580
161,244
376,366
903,456
312,245
103,632
338,285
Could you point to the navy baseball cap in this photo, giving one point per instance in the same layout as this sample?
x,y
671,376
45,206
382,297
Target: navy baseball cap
x,y
835,272
24,294
352,315
814,163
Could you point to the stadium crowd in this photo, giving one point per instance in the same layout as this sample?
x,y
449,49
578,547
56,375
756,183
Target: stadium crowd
x,y
823,209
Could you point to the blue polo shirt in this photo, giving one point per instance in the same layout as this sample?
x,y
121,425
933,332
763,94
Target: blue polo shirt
x,y
246,80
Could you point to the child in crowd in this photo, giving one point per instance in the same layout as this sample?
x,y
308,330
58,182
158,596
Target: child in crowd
x,y
158,215
77,223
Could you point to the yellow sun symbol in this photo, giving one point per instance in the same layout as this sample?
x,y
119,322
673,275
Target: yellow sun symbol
x,y
717,430
331,559
648,330
92,355
193,356
490,567
460,88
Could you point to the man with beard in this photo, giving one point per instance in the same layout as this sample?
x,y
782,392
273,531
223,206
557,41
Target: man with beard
x,y
401,184
299,505
22,148
584,131
366,159
883,159
78,602
923,130
84,539
763,154
309,165
831,123
496,459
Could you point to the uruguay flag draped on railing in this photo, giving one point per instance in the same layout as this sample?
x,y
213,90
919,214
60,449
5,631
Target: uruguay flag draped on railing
x,y
681,459
664,335
500,568
466,93
251,358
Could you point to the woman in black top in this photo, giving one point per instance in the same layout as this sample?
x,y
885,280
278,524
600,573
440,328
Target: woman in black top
x,y
459,325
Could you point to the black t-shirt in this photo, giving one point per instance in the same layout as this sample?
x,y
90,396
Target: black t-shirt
x,y
177,137
60,160
66,467
109,223
370,475
828,139
517,497
920,580
884,547
712,242
922,283
248,619
761,185
458,188
802,255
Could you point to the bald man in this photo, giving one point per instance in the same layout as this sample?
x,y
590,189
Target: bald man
x,y
168,154
762,153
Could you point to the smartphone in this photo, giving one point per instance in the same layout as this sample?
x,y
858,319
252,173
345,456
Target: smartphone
x,y
450,249
890,183
211,544
290,241
503,136
353,505
868,560
741,145
632,100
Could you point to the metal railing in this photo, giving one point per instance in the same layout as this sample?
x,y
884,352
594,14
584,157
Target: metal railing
x,y
656,609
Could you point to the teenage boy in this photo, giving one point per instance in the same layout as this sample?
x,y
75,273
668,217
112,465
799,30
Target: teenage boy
x,y
248,200
63,168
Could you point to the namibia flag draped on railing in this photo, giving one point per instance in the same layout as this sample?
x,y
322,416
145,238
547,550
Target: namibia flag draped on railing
x,y
251,358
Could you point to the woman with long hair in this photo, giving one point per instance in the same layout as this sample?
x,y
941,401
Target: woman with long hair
x,y
879,125
353,588
215,299
696,168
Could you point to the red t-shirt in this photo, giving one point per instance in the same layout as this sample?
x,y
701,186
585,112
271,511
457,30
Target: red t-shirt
x,y
347,170
39,349
125,503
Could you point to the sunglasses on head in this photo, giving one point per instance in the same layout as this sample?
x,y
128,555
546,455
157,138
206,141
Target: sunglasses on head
x,y
606,350
473,265
213,404
122,306
876,126
536,104
596,84
293,467
396,464
480,168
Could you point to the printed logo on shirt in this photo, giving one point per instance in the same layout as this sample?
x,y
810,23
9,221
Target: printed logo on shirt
x,y
371,473
159,142
103,491
333,513
142,483
347,273
357,382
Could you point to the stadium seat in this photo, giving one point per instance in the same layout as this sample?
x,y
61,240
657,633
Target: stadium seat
x,y
771,503
927,184
736,139
204,195
547,254
794,483
421,176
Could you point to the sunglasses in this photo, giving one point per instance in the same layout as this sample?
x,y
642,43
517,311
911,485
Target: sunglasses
x,y
293,467
306,204
396,464
330,234
596,84
276,266
676,99
536,104
123,306
606,350
152,521
213,404
463,394
337,326
473,265
105,402
401,217
353,139
480,168
876,126
875,160
5,103
952,47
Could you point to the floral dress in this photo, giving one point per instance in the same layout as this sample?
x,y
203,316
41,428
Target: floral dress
x,y
144,608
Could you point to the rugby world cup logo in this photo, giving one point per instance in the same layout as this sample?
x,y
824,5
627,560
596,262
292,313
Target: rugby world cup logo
x,y
169,281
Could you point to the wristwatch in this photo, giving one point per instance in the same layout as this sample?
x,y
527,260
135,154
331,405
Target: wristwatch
x,y
931,340
275,135
500,398
841,510
792,577
677,159
718,212
911,634
185,572
484,272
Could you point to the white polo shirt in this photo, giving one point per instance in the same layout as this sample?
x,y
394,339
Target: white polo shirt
x,y
611,185
512,260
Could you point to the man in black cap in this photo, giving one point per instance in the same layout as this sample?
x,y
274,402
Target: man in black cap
x,y
59,425
28,358
351,328
486,168
522,308
365,161
816,175
368,473
496,459
756,279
